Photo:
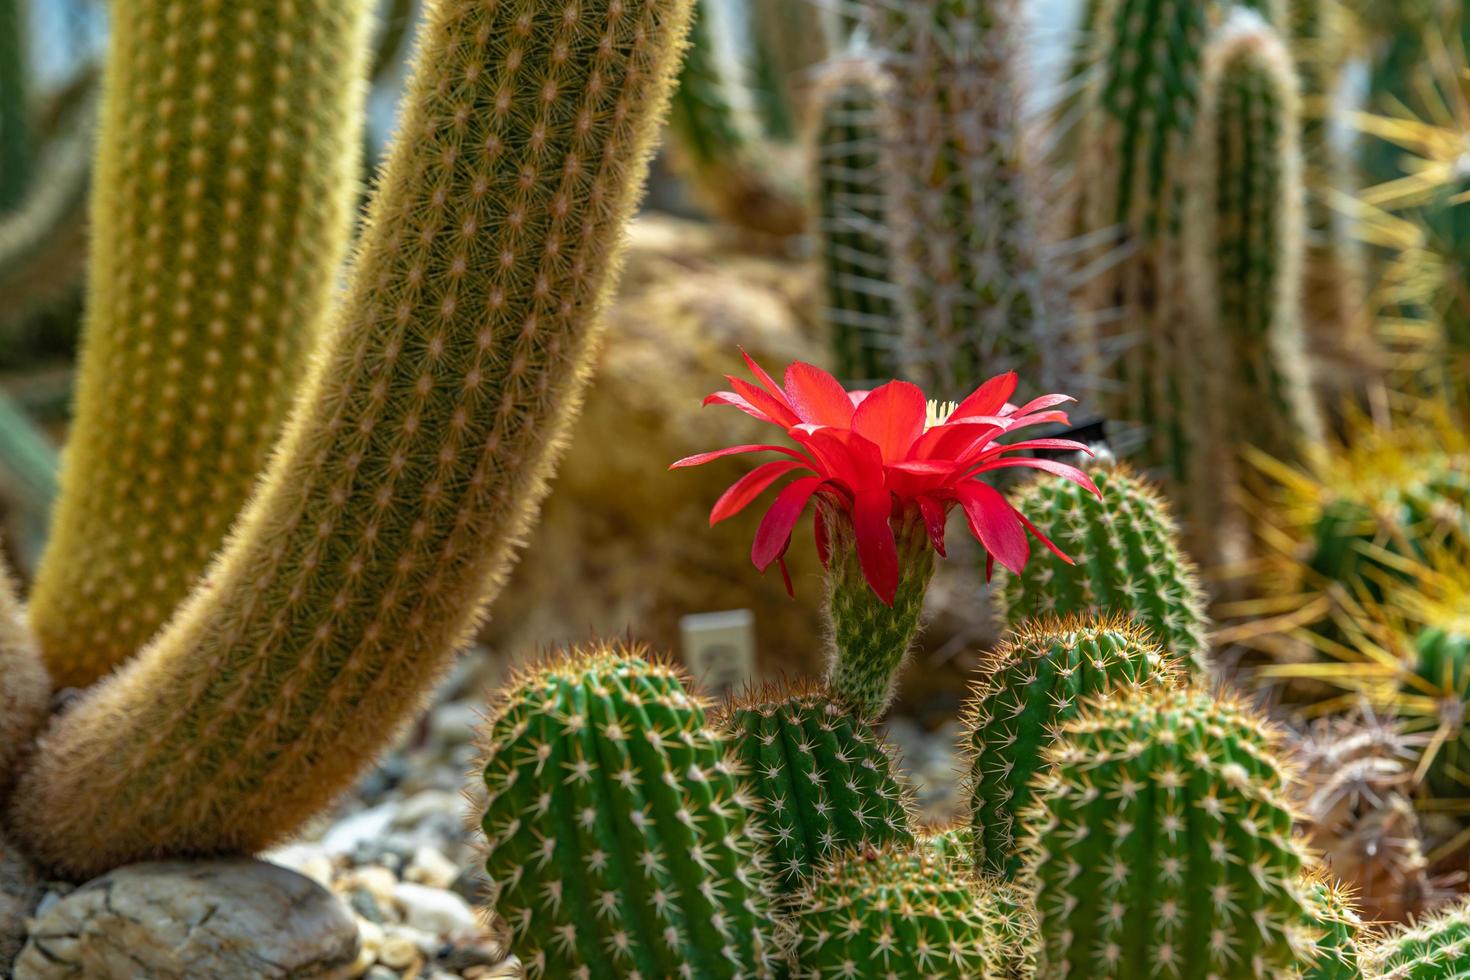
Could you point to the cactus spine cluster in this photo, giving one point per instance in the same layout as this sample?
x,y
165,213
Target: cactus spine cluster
x,y
1331,916
967,253
1436,948
413,462
1244,239
1161,836
824,781
853,123
1128,561
1036,681
621,839
225,181
901,912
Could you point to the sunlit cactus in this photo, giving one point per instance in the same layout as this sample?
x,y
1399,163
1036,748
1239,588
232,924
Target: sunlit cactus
x,y
1331,914
621,838
1434,948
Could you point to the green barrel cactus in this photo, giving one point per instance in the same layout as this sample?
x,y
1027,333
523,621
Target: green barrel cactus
x,y
902,912
825,781
1128,562
1331,913
1161,839
853,120
620,837
1244,241
1037,680
1436,948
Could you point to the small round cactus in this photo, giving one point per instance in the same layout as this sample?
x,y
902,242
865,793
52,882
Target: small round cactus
x,y
1128,561
902,912
1161,839
1437,948
620,838
1037,680
1331,913
824,780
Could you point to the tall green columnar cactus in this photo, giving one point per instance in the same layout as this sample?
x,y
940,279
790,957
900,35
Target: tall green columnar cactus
x,y
1330,912
716,139
901,912
788,40
1437,948
1244,241
15,123
824,780
854,118
1037,680
621,840
224,187
1137,132
1128,562
1161,841
873,638
974,294
25,690
413,462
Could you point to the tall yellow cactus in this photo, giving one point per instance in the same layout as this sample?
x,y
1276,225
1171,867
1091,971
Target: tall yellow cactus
x,y
225,182
412,464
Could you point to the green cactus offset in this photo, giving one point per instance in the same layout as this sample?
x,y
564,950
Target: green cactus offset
x,y
824,780
1435,948
1161,839
1034,682
1332,914
1128,562
621,838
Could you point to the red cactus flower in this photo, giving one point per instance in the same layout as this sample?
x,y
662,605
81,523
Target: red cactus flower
x,y
872,454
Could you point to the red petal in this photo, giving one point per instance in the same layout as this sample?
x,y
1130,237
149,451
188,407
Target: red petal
x,y
748,487
844,454
699,459
817,397
934,514
736,401
877,551
995,523
767,382
1045,540
1064,470
778,410
892,417
989,398
1062,445
774,534
953,441
1045,401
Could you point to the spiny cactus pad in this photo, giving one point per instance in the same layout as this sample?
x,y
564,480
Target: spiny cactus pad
x,y
1128,562
620,835
1037,680
1436,948
825,781
900,912
1161,840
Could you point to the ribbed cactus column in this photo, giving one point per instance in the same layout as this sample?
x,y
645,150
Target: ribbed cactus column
x,y
223,192
1037,680
717,144
1245,238
1128,562
973,291
620,838
824,780
25,690
1436,948
788,41
412,465
1330,912
854,118
1161,839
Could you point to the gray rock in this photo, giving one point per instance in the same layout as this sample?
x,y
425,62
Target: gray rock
x,y
20,890
202,920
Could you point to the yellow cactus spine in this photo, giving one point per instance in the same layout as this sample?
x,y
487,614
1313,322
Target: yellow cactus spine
x,y
224,188
412,465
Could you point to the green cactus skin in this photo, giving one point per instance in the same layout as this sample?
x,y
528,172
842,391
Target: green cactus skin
x,y
621,838
1244,240
1128,562
221,210
788,41
1436,948
1037,680
15,123
1330,912
900,912
414,461
824,780
871,640
975,297
716,140
1137,132
1442,673
25,689
1161,841
853,123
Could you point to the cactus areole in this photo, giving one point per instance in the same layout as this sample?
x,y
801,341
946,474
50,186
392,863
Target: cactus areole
x,y
884,468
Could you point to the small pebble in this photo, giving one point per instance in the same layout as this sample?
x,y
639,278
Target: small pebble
x,y
439,912
380,973
430,867
429,803
365,905
398,951
456,724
